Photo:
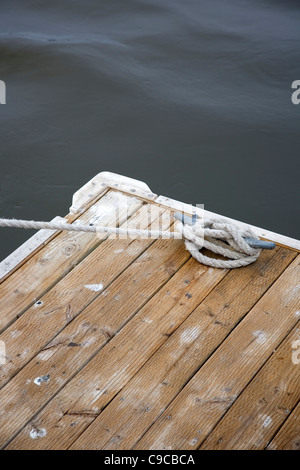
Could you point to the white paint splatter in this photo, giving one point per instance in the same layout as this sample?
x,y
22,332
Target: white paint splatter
x,y
25,352
260,336
291,293
267,422
15,333
189,334
59,380
297,313
35,433
94,287
120,250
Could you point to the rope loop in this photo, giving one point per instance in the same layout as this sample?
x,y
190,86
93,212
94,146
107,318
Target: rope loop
x,y
222,238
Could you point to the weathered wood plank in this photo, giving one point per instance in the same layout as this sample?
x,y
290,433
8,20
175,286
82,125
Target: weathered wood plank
x,y
71,410
201,404
263,406
145,397
43,270
288,437
60,305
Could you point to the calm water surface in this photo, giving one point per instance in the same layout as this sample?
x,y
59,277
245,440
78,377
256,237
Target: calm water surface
x,y
193,97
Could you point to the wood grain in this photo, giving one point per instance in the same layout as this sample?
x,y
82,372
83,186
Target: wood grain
x,y
60,305
91,328
288,437
139,346
116,363
146,396
50,264
263,406
213,389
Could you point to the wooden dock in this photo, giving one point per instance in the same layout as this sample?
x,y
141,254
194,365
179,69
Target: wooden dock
x,y
123,343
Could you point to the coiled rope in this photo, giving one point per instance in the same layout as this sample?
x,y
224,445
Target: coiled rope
x,y
215,234
220,237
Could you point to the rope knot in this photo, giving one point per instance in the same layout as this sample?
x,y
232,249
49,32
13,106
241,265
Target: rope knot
x,y
222,238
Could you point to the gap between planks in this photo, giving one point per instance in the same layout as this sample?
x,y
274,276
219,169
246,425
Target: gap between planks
x,y
288,436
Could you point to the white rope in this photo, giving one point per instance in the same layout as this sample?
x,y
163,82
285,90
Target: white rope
x,y
221,237
32,224
215,234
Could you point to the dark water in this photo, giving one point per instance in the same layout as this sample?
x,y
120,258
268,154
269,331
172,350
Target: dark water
x,y
193,97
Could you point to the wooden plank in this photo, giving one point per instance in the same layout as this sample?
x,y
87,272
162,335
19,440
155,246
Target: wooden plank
x,y
150,391
263,406
288,437
71,410
43,270
60,305
201,404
